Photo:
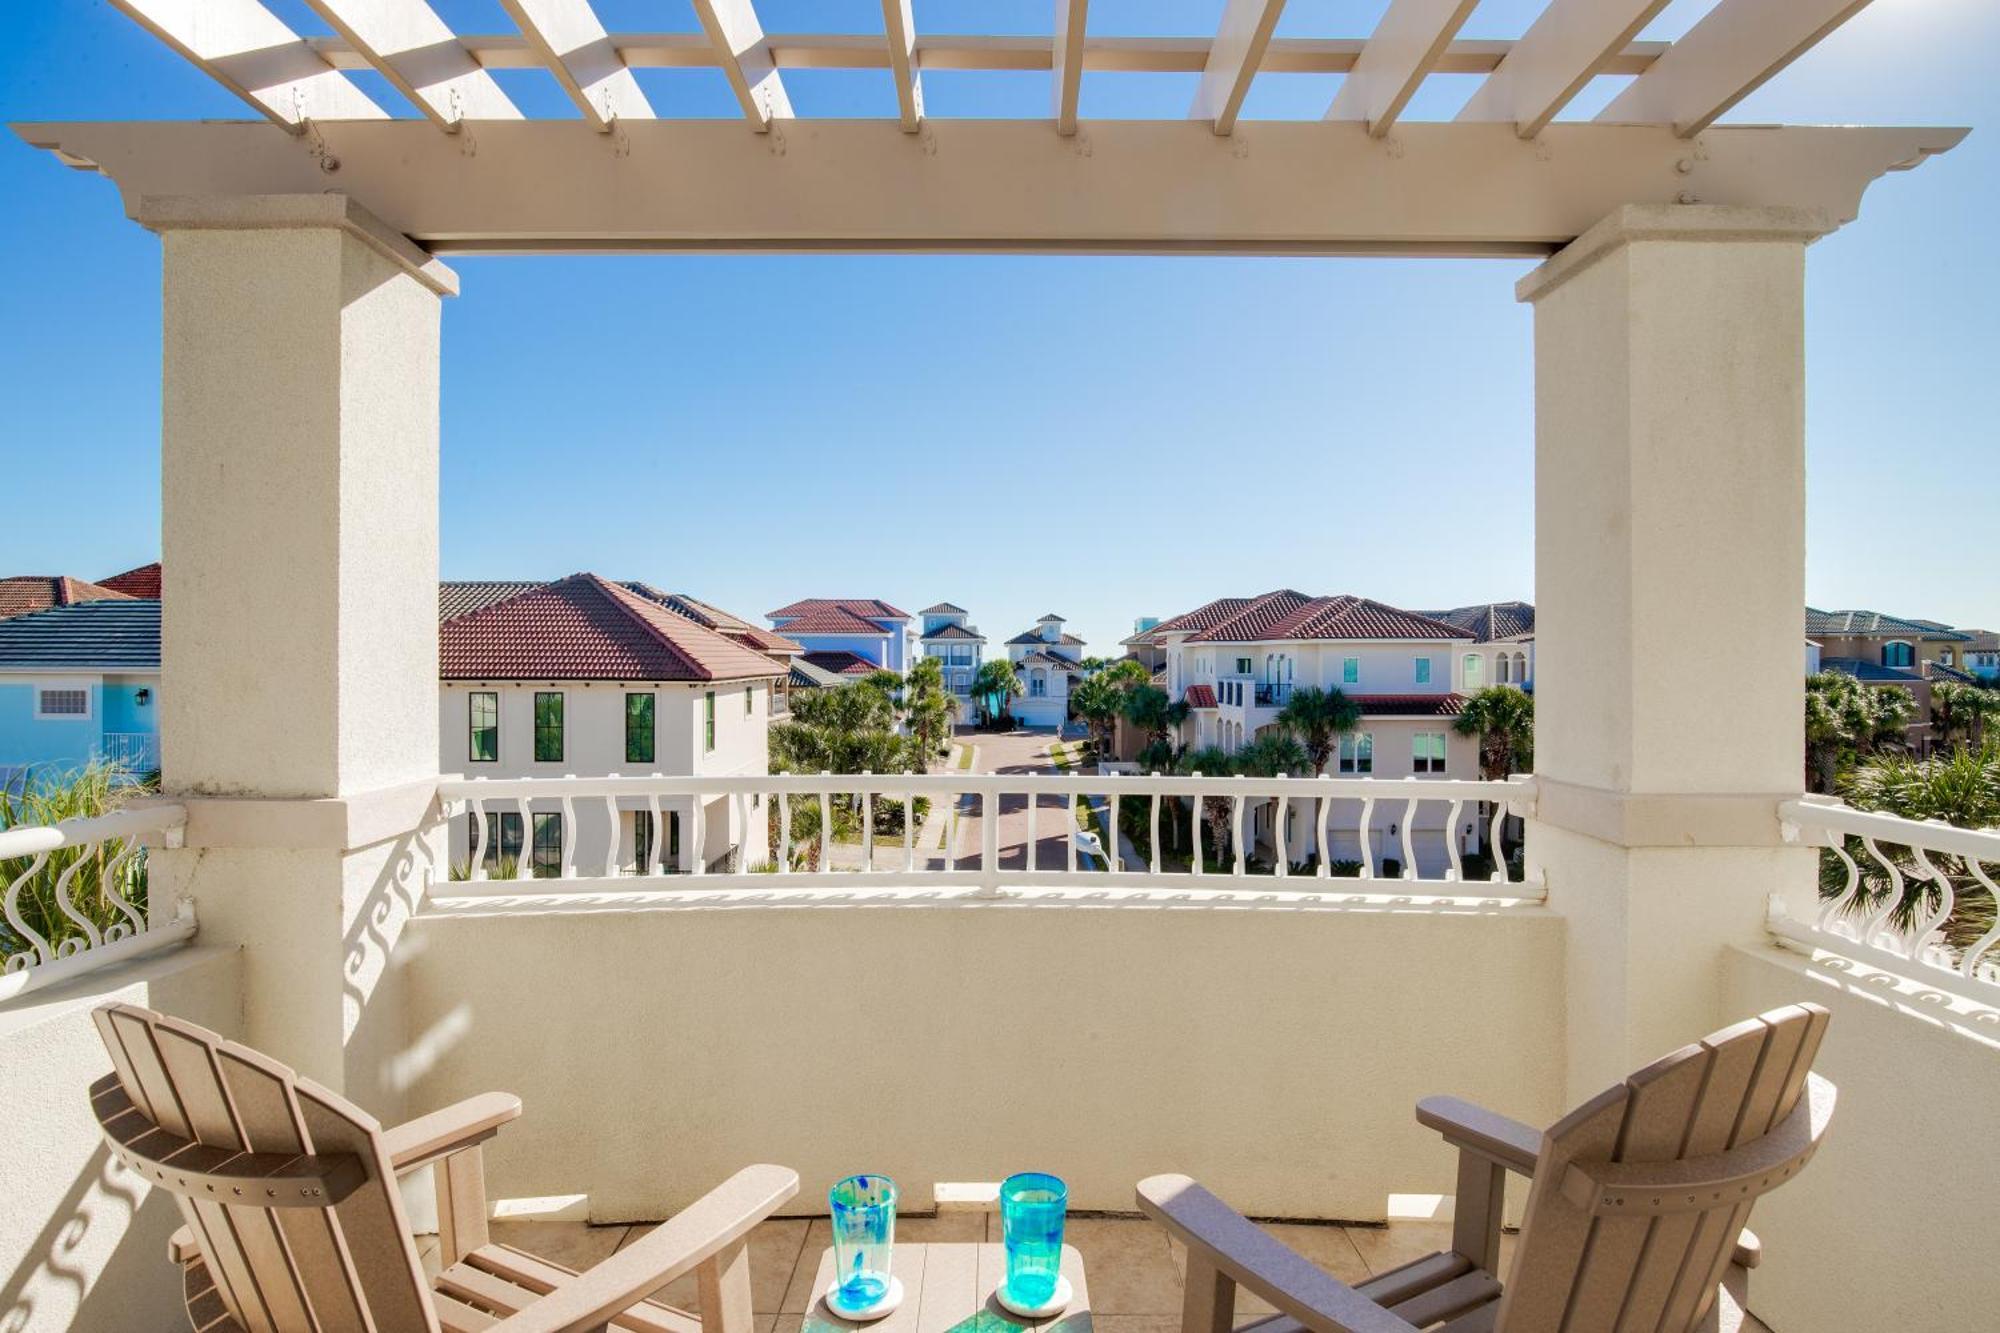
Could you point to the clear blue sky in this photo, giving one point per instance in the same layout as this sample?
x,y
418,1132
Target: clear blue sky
x,y
754,430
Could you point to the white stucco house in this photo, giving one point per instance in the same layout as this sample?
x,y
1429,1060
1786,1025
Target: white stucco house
x,y
849,635
587,678
1502,651
1047,660
958,647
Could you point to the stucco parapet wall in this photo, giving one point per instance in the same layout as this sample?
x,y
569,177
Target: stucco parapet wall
x,y
289,212
339,823
1650,819
1672,222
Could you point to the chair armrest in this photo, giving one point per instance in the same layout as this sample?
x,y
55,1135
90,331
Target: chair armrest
x,y
677,1246
420,1142
182,1246
1249,1255
1476,1129
1749,1250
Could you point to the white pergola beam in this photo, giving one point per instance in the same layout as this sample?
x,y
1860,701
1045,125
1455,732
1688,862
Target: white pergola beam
x,y
421,57
1303,187
1572,42
1066,62
1128,55
899,26
1406,47
1724,58
1233,60
570,41
250,51
738,41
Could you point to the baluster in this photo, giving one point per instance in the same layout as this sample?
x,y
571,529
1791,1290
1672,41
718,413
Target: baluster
x,y
567,855
697,838
611,847
867,827
478,838
1113,862
1279,810
1197,820
1034,805
989,837
909,828
1368,837
1154,827
1878,922
825,821
1409,842
1325,846
134,923
656,853
743,832
43,951
1838,907
1069,804
1236,833
1921,928
1969,965
92,937
1451,848
524,860
784,833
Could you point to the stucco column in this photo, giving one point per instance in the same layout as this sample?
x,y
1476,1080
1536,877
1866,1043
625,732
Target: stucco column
x,y
299,685
1670,593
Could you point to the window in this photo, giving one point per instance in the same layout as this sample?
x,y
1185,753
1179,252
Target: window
x,y
63,701
639,728
1501,675
1350,671
482,724
547,859
1427,751
1475,671
1242,666
548,728
1898,654
749,693
1423,671
1944,656
708,721
642,842
1357,753
1038,683
503,843
1520,668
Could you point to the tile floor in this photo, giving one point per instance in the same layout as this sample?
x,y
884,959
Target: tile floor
x,y
1135,1271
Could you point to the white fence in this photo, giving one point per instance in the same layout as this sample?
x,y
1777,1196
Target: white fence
x,y
1914,897
136,750
68,904
1422,826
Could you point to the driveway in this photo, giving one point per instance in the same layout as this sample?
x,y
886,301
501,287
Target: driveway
x,y
1017,752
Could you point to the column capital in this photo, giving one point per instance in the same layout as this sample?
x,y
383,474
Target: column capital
x,y
1672,222
295,212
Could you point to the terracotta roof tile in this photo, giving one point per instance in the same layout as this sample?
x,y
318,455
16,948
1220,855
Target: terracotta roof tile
x,y
1410,705
841,663
39,592
142,582
824,620
944,609
1200,696
585,628
956,632
1490,622
861,608
1287,614
461,597
710,616
1066,641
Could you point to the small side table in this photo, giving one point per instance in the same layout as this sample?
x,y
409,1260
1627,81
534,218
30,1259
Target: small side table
x,y
950,1287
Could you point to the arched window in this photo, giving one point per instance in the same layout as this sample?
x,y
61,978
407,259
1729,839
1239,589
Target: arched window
x,y
1502,665
1038,682
1897,653
1520,668
1475,671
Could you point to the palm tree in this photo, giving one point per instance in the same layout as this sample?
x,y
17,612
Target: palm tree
x,y
929,708
1210,762
1961,712
1319,718
1271,753
997,681
1503,718
1148,708
1846,721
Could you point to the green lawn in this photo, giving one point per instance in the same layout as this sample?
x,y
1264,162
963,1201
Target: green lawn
x,y
965,757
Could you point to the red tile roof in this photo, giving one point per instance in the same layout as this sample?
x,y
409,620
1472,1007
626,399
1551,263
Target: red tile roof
x,y
714,617
1289,615
1410,705
39,592
839,613
585,628
462,597
1200,696
842,664
1193,622
143,582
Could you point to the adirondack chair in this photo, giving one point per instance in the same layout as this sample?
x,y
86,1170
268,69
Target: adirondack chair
x,y
1636,1211
295,1225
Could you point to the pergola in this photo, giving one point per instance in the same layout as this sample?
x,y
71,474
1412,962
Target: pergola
x,y
300,483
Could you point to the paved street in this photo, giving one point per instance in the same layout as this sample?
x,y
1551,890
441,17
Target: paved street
x,y
1016,752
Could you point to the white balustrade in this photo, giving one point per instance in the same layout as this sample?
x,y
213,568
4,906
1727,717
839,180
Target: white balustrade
x,y
52,935
789,831
1918,898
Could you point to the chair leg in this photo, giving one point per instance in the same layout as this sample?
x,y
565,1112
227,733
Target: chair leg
x,y
724,1286
460,1180
1208,1299
1475,1227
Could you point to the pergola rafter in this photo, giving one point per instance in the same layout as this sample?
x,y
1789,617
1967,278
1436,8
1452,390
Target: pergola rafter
x,y
738,42
1233,60
1407,44
1572,42
250,51
570,41
415,50
899,26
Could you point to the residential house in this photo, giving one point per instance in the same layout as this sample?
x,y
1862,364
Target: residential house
x,y
775,646
1505,633
585,677
143,581
1881,649
863,629
1982,654
1237,660
958,648
79,683
1143,646
1048,662
25,593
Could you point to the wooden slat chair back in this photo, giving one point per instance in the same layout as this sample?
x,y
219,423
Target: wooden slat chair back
x,y
1640,1194
286,1187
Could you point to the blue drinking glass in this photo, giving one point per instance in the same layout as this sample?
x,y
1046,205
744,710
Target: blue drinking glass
x,y
1031,1225
864,1232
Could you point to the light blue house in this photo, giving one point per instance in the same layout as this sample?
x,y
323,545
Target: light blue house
x,y
79,683
849,634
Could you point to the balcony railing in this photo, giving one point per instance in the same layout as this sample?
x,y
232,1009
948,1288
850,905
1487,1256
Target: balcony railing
x,y
1273,694
1917,898
138,751
76,896
1419,824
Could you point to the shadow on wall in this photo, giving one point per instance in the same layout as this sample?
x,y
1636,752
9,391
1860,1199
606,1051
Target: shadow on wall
x,y
372,972
54,1275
